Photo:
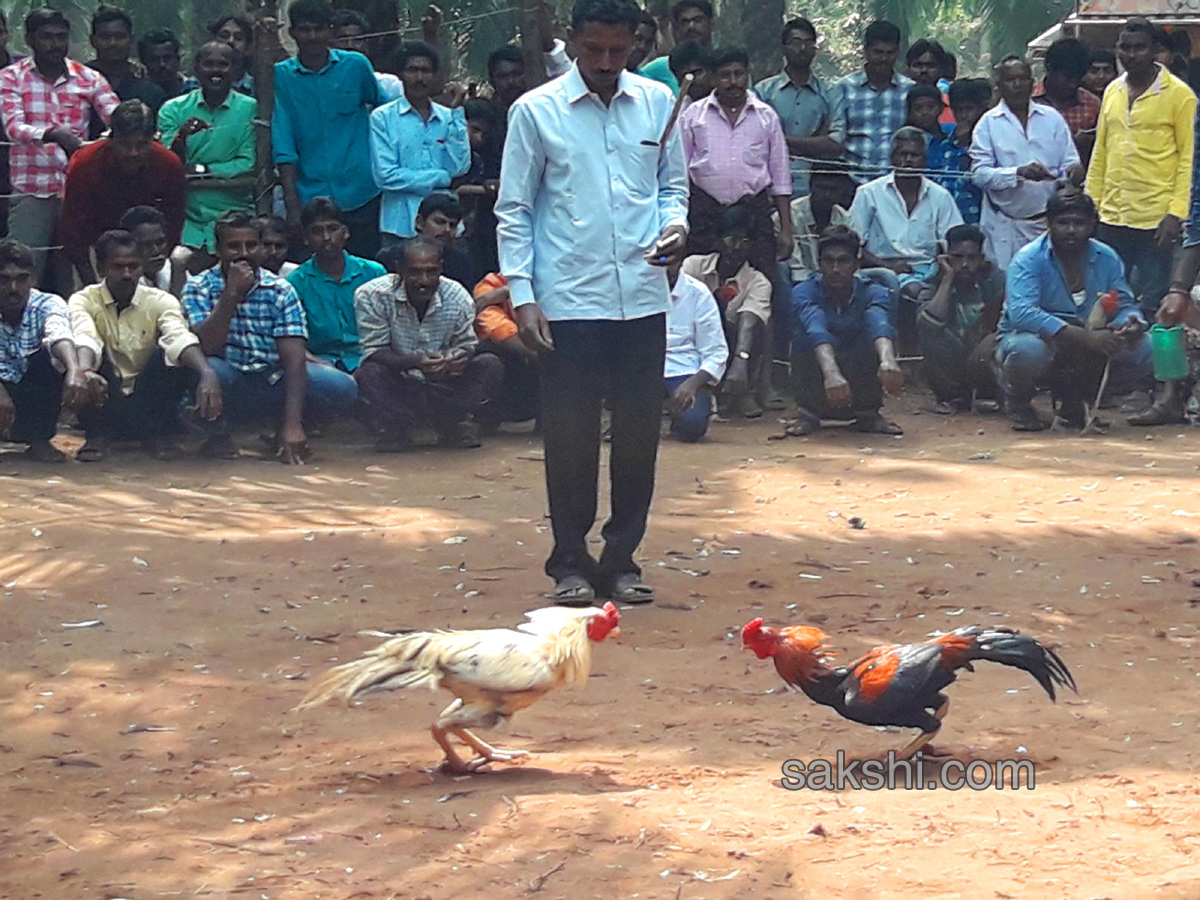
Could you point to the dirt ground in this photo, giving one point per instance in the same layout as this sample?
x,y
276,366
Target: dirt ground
x,y
223,589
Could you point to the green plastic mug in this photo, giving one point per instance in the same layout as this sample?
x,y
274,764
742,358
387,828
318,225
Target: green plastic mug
x,y
1169,351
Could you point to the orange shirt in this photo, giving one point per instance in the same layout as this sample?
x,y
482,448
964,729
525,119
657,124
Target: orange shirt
x,y
496,323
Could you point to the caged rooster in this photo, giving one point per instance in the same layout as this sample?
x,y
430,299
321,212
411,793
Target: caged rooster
x,y
898,684
492,673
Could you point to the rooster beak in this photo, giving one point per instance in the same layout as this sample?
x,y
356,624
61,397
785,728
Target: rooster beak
x,y
615,633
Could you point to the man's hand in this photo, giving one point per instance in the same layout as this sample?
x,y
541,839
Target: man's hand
x,y
683,397
669,247
1174,308
454,94
97,388
456,361
890,377
242,279
293,444
209,402
837,390
785,245
64,137
76,389
900,267
431,24
1077,173
8,411
948,266
432,363
534,328
193,125
1035,171
1167,234
1104,341
737,376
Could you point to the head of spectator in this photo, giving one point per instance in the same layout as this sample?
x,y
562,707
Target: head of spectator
x,y
131,134
506,75
964,255
881,49
603,33
239,239
1071,219
925,105
112,37
830,186
350,30
1102,70
420,269
438,217
120,264
238,33
149,228
1180,52
16,281
731,76
951,70
736,242
1136,50
925,61
481,119
970,98
310,23
644,41
838,250
1066,64
1014,82
325,230
273,242
158,49
909,151
214,66
417,65
692,20
799,45
48,36
1161,45
696,60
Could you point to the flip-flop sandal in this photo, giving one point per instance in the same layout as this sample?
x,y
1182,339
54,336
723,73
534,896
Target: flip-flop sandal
x,y
574,591
92,452
801,427
632,590
875,424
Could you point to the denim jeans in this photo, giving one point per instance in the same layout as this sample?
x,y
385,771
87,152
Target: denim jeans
x,y
691,424
1026,362
258,396
1147,268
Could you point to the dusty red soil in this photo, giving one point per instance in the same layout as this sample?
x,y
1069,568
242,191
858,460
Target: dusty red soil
x,y
224,588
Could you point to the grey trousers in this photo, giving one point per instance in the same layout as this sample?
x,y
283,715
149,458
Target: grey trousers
x,y
32,221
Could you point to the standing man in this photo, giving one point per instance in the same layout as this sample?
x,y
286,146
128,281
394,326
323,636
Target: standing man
x,y
588,200
46,101
869,105
802,101
1141,171
1019,153
158,49
691,21
320,130
417,146
1066,64
112,39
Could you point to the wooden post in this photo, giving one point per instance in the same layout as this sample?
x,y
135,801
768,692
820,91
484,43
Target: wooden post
x,y
531,45
267,49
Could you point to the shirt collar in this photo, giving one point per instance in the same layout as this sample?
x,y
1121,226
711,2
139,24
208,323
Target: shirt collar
x,y
1156,85
813,83
577,88
108,299
334,56
74,70
349,269
402,295
890,179
862,80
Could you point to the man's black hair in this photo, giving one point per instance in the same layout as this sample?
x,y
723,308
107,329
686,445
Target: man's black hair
x,y
1067,200
476,108
236,220
41,17
839,236
689,53
416,50
610,12
508,53
1067,56
970,90
921,46
917,91
153,38
245,26
1102,55
311,12
443,202
881,33
133,118
320,208
14,253
729,55
679,6
1138,25
966,232
137,216
106,14
343,18
110,241
798,23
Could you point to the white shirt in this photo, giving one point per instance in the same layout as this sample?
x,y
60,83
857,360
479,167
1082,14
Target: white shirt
x,y
695,335
1000,146
881,218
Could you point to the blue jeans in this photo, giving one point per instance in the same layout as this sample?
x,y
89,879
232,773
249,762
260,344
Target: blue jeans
x,y
255,396
1147,268
691,424
1026,362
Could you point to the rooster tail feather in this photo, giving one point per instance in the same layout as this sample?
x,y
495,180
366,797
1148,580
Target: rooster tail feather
x,y
392,666
1021,651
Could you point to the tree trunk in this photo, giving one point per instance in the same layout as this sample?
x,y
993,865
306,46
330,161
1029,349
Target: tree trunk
x,y
762,23
266,51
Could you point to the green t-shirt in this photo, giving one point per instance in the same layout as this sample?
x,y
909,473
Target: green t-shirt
x,y
659,70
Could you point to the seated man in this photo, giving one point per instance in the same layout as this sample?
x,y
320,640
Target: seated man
x,y
843,356
696,355
34,329
828,204
438,218
326,285
744,296
496,328
957,322
149,228
419,361
251,326
136,338
1045,339
275,246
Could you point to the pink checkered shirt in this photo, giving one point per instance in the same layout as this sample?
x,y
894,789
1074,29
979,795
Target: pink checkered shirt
x,y
730,161
29,105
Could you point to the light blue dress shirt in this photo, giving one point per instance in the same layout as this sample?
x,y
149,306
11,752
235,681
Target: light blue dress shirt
x,y
695,331
412,157
585,191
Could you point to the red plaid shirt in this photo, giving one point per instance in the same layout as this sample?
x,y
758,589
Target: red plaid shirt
x,y
29,105
1082,115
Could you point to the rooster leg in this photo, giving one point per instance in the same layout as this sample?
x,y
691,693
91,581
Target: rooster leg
x,y
925,737
486,751
453,763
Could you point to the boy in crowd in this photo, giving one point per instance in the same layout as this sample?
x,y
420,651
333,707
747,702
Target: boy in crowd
x,y
275,246
149,228
969,99
696,355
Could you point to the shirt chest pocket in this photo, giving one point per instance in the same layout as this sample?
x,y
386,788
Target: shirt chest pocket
x,y
345,101
755,154
640,164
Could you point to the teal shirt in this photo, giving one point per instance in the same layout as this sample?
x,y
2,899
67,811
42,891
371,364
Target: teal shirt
x,y
226,149
660,70
329,306
321,126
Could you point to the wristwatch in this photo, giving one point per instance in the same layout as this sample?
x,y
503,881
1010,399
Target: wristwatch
x,y
743,354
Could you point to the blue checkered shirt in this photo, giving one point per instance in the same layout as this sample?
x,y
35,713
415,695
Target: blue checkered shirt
x,y
864,121
271,310
44,324
946,156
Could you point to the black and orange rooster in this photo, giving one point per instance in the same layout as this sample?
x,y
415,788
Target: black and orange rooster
x,y
899,684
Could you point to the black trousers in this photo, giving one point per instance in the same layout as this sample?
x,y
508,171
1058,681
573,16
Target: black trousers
x,y
859,364
38,399
151,411
519,400
594,360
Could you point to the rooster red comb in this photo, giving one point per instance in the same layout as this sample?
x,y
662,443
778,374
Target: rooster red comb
x,y
1110,301
751,629
611,612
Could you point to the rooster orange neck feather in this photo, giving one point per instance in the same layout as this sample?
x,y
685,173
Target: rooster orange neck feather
x,y
799,657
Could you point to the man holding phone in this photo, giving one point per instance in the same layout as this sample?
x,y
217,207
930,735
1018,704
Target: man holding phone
x,y
592,206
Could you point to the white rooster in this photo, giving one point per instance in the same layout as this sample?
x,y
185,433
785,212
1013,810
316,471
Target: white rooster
x,y
492,673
